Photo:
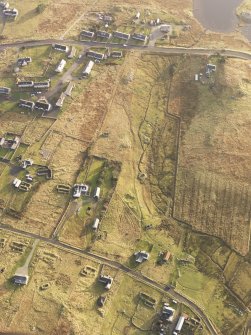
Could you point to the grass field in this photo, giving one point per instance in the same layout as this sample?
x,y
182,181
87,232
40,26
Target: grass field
x,y
135,112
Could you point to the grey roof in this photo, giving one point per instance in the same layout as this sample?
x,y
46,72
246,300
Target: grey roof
x,y
20,280
116,54
121,35
5,90
87,33
72,52
25,84
42,84
69,89
139,37
43,105
96,55
26,104
60,100
141,256
103,34
61,47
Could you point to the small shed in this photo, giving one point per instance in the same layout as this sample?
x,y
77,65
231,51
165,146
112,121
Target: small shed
x,y
60,66
97,193
17,182
88,68
95,224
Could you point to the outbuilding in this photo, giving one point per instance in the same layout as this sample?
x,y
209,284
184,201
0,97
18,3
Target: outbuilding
x,y
69,89
97,193
60,66
72,52
17,182
87,70
179,324
60,100
95,224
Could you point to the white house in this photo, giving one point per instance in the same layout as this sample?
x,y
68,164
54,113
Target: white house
x,y
87,70
60,66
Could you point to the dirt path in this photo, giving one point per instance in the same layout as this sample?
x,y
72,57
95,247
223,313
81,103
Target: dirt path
x,y
24,270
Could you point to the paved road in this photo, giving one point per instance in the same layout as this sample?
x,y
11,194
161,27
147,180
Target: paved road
x,y
137,275
145,48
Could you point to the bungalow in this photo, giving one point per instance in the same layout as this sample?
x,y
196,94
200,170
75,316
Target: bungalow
x,y
5,91
97,193
86,33
42,84
72,53
141,256
139,37
13,13
95,224
60,66
96,55
26,104
60,100
21,279
87,70
61,47
69,89
107,280
24,61
120,35
4,5
103,34
116,54
17,182
25,84
43,105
